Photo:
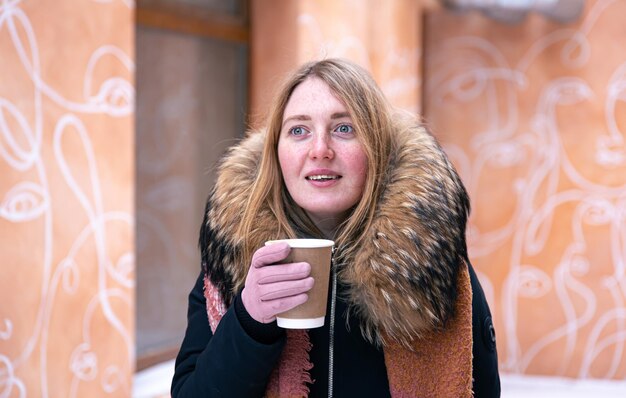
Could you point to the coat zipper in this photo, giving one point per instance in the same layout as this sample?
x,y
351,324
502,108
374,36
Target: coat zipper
x,y
331,328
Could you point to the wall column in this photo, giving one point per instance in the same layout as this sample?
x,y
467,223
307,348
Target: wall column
x,y
382,36
66,198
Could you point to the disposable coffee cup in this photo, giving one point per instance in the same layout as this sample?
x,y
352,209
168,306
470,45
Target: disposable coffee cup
x,y
316,252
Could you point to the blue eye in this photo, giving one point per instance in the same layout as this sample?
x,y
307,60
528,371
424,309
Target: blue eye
x,y
344,129
297,131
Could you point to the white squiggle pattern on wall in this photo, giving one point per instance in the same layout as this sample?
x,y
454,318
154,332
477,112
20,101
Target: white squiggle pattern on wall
x,y
565,232
24,202
8,381
49,161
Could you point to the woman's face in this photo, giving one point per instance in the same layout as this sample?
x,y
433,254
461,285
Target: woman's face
x,y
323,163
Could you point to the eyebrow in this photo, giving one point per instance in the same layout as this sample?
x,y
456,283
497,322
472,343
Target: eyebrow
x,y
336,115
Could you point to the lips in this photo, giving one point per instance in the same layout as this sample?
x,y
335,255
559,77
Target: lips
x,y
322,177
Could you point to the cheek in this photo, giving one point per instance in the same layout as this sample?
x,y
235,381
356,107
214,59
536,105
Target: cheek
x,y
358,165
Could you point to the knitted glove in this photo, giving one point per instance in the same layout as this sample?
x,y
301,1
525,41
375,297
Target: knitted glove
x,y
274,288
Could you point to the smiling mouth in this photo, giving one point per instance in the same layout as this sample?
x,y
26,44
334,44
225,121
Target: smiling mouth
x,y
322,178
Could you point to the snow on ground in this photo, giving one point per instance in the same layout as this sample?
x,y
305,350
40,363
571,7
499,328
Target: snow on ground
x,y
154,382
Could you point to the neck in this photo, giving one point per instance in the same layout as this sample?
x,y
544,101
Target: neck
x,y
327,224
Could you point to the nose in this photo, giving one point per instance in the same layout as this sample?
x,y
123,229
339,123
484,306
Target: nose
x,y
321,147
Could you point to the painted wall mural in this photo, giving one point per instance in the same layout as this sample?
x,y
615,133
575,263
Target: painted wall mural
x,y
534,117
66,198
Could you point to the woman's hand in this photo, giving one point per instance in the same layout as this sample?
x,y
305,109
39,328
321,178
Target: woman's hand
x,y
274,288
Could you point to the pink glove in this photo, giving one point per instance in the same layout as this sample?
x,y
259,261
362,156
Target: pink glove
x,y
274,288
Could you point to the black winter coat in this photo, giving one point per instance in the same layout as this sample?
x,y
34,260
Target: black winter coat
x,y
231,363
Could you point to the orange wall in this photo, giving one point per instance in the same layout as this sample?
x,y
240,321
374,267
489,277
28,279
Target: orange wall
x,y
533,116
66,198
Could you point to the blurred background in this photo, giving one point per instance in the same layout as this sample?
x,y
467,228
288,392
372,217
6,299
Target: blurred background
x,y
113,114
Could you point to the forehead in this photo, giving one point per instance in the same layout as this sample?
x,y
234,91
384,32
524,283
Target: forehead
x,y
313,96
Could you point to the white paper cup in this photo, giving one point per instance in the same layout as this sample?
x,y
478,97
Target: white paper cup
x,y
316,252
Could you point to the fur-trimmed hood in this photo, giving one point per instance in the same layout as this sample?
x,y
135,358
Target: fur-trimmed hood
x,y
402,278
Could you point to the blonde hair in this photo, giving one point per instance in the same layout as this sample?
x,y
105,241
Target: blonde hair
x,y
371,117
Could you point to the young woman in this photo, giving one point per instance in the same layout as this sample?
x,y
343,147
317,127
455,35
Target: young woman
x,y
406,315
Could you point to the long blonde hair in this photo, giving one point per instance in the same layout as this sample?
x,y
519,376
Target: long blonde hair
x,y
371,116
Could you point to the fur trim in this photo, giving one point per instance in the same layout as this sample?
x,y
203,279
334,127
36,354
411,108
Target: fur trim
x,y
402,277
